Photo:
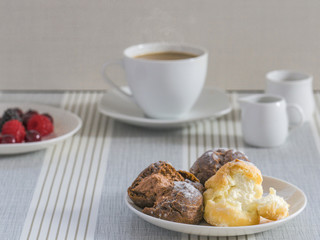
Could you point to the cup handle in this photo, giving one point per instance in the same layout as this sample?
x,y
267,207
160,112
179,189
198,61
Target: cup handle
x,y
110,82
301,113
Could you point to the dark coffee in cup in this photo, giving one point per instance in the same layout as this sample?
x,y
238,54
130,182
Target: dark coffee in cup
x,y
166,56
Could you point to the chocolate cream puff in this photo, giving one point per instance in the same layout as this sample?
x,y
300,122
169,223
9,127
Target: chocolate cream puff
x,y
168,194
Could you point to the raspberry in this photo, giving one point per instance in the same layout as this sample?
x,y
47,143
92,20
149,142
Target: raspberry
x,y
15,128
40,123
9,114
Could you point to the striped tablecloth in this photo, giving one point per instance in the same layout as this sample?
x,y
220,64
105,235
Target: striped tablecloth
x,y
76,189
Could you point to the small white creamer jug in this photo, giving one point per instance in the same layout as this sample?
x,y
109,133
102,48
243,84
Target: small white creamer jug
x,y
265,121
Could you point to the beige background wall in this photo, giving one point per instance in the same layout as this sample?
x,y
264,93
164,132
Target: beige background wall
x,y
62,44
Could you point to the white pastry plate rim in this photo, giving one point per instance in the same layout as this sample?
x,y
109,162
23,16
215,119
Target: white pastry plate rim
x,y
48,140
253,228
186,119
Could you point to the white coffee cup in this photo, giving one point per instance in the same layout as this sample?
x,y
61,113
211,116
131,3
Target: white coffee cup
x,y
295,87
163,89
265,121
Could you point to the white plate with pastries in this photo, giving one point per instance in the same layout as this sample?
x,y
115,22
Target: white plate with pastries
x,y
290,193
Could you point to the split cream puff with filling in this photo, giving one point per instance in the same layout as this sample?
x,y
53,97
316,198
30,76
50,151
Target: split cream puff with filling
x,y
233,197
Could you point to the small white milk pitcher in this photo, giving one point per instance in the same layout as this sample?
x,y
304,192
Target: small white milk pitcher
x,y
265,121
295,87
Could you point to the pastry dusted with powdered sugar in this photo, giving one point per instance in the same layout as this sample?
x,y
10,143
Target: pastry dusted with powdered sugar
x,y
211,161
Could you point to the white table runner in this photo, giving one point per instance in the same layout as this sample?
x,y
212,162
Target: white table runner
x,y
66,198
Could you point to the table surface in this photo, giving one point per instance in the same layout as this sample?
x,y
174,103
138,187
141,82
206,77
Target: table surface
x,y
76,189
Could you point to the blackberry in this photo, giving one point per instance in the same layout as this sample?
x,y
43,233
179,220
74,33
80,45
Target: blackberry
x,y
48,116
32,136
9,114
31,112
7,139
27,116
19,111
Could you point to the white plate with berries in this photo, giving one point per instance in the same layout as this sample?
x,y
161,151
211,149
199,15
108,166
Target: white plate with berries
x,y
30,127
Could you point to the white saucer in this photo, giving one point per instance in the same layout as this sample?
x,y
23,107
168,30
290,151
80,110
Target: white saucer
x,y
292,194
65,125
211,104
